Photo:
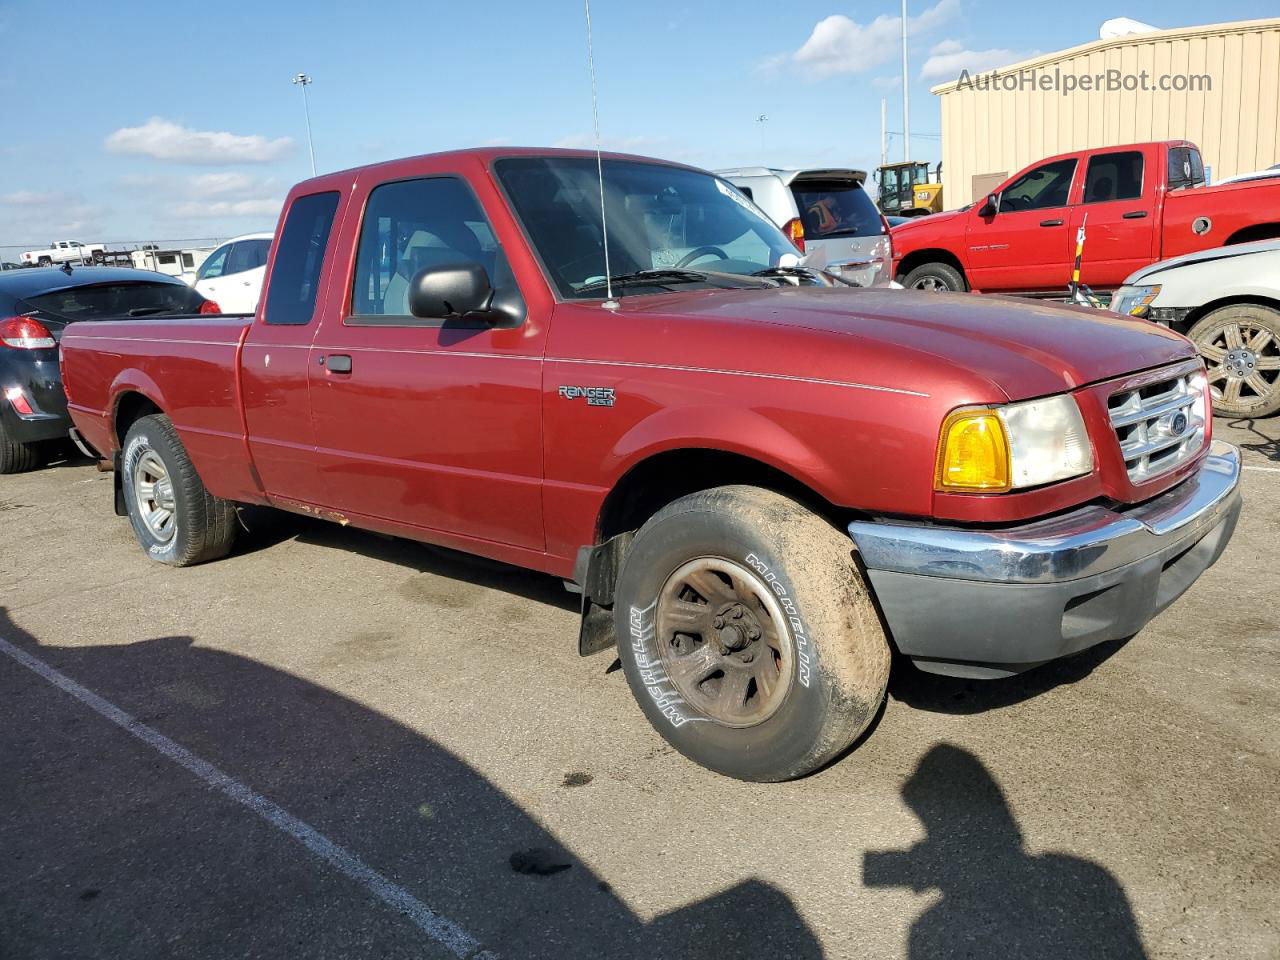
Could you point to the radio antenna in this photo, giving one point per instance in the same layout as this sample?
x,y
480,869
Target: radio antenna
x,y
610,303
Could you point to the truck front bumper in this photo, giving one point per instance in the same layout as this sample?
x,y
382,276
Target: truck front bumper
x,y
993,602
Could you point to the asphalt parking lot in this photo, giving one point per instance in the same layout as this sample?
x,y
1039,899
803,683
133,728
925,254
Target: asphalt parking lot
x,y
331,745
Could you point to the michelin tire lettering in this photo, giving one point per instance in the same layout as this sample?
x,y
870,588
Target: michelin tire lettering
x,y
804,658
652,673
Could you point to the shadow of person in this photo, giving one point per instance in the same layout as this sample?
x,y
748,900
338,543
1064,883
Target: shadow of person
x,y
113,847
997,900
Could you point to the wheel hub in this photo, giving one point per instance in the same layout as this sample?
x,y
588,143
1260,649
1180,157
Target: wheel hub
x,y
724,642
1240,363
736,627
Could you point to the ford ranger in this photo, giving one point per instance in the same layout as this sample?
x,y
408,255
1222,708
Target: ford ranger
x,y
1139,204
761,480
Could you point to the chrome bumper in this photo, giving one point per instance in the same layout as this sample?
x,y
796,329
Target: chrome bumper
x,y
993,602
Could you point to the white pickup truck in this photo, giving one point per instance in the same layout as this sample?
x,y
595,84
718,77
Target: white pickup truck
x,y
64,251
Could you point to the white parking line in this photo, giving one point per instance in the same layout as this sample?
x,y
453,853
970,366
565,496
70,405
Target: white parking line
x,y
1262,469
441,929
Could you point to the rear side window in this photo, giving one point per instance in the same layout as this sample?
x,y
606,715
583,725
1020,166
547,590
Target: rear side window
x,y
836,208
1186,169
1113,176
246,255
295,277
102,301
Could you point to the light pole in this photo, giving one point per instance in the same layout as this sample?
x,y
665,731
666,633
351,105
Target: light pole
x,y
906,92
304,81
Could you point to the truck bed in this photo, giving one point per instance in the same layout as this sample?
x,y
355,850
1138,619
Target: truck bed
x,y
143,356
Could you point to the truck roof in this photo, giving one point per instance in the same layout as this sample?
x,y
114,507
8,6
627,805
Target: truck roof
x,y
487,155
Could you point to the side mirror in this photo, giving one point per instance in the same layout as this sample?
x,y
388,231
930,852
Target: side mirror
x,y
450,291
991,206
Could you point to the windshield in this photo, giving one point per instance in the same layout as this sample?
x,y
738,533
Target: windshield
x,y
836,208
102,301
659,218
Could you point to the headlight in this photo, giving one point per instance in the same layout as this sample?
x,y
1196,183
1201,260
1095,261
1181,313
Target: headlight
x,y
994,449
1134,301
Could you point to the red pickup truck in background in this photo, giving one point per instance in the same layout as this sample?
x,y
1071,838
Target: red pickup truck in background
x,y
761,480
1144,202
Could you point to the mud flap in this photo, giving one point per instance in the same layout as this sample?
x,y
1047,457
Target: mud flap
x,y
597,571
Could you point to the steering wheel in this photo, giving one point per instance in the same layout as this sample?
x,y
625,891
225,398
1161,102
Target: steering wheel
x,y
697,252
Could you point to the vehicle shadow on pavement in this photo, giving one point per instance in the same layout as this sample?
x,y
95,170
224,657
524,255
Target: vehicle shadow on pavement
x,y
997,900
1266,446
113,849
956,695
265,528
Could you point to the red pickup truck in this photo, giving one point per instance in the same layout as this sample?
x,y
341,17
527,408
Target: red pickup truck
x,y
760,479
1144,202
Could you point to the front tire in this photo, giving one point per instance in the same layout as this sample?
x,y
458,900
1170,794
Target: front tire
x,y
935,277
747,634
1240,344
176,520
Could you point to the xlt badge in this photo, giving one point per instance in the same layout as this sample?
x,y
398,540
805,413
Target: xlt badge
x,y
595,396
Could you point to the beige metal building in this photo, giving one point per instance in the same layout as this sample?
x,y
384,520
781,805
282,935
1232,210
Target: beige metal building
x,y
1217,85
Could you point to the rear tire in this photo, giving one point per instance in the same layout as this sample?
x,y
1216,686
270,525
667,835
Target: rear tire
x,y
176,520
936,277
1240,345
16,457
740,582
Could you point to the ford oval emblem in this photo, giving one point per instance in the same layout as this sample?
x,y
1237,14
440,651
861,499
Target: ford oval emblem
x,y
1178,424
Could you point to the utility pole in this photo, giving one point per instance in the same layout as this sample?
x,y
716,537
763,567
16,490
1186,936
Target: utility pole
x,y
884,130
906,93
304,81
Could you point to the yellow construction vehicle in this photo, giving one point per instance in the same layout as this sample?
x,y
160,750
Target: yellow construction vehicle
x,y
908,190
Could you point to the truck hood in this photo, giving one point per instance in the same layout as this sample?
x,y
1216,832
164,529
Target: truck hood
x,y
1203,256
1022,348
917,224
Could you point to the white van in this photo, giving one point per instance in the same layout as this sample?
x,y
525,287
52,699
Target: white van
x,y
826,211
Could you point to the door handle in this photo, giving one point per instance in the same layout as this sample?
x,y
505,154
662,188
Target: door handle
x,y
337,363
1135,215
1050,223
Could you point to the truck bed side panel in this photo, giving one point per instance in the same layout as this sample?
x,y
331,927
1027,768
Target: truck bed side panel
x,y
187,368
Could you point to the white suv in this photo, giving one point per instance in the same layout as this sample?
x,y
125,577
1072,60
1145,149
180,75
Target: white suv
x,y
827,212
232,275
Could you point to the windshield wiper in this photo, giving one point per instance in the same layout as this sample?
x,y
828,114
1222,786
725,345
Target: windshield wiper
x,y
671,277
807,273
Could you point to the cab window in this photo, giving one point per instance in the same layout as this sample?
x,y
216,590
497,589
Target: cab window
x,y
1113,176
1048,185
409,226
1186,169
295,275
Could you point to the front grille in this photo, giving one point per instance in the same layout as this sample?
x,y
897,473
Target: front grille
x,y
1159,424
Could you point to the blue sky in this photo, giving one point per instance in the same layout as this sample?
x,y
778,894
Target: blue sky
x,y
137,120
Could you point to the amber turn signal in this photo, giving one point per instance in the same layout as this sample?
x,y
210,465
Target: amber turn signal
x,y
973,452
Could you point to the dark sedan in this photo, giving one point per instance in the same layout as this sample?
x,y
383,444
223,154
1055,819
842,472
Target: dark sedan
x,y
35,307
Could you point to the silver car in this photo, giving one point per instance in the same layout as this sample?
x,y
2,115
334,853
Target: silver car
x,y
826,212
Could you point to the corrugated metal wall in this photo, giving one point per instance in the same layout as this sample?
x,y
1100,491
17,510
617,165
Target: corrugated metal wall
x,y
1235,123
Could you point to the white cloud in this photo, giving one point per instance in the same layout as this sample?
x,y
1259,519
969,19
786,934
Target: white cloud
x,y
197,209
233,186
165,140
840,45
31,198
948,58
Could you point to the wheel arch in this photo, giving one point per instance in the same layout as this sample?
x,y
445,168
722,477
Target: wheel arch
x,y
131,403
918,258
1243,299
1255,231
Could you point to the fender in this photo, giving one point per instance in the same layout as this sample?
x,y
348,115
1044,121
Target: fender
x,y
727,429
132,380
